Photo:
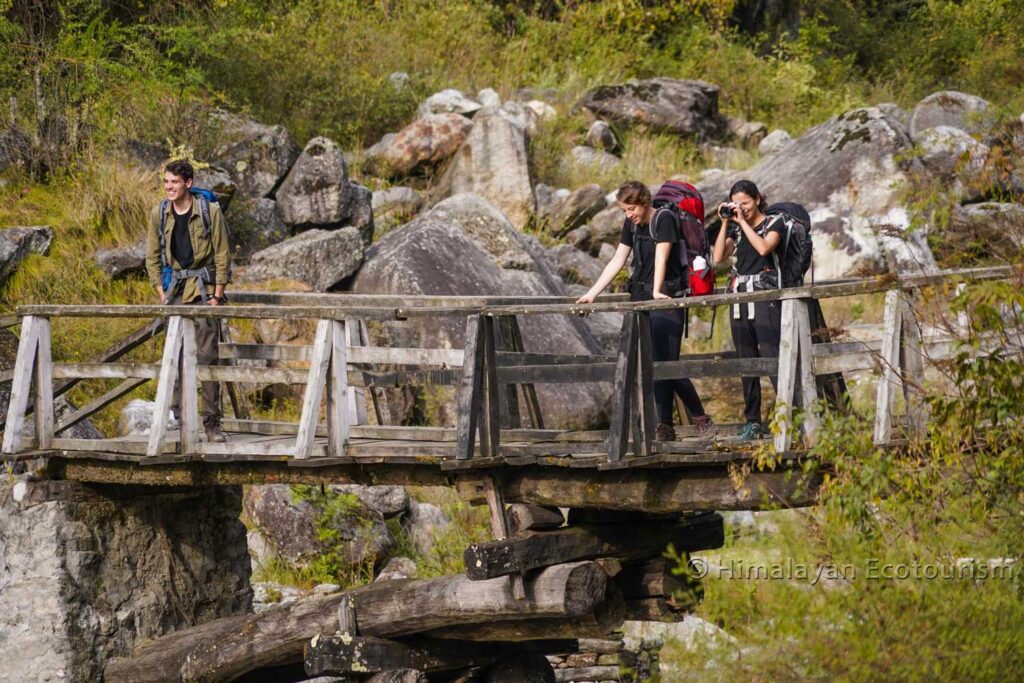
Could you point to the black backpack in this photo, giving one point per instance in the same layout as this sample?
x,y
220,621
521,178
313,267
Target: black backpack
x,y
793,258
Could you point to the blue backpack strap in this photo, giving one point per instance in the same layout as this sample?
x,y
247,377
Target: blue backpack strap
x,y
204,209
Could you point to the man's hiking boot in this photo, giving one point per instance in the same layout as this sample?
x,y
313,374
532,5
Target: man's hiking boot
x,y
751,431
214,432
664,432
704,426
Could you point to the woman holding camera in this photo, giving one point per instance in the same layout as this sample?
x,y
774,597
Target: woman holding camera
x,y
756,327
653,238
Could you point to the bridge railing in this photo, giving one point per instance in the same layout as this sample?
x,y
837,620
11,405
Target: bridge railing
x,y
495,373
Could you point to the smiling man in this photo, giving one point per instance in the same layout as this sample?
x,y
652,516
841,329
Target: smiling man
x,y
187,259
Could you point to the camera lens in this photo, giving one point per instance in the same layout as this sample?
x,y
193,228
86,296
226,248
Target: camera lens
x,y
726,212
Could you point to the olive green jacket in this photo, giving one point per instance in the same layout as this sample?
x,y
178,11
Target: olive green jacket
x,y
213,251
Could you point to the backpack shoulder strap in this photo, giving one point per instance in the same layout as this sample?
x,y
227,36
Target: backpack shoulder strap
x,y
164,203
204,209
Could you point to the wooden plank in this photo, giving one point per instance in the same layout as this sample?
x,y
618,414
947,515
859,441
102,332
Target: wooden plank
x,y
625,380
44,417
106,371
280,449
337,393
124,446
629,541
165,385
490,416
437,304
232,311
375,397
788,357
720,366
239,402
805,372
500,528
509,393
8,321
529,391
276,352
188,386
605,372
891,331
356,400
647,418
398,356
98,404
912,362
316,378
472,387
818,290
225,373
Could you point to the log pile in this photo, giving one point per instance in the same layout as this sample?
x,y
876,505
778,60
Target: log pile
x,y
579,583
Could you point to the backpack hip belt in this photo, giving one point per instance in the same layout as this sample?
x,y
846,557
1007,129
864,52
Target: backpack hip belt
x,y
205,275
746,283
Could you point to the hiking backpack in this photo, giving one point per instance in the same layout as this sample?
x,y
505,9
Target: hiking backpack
x,y
797,248
205,198
687,204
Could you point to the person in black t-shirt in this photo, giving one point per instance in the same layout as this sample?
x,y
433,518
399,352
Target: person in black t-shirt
x,y
652,237
756,328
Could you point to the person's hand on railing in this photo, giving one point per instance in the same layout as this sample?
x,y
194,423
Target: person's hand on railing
x,y
661,295
587,298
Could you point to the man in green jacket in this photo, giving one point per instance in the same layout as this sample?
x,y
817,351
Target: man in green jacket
x,y
195,247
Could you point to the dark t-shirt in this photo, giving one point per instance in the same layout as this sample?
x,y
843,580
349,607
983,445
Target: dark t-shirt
x,y
181,241
639,240
748,261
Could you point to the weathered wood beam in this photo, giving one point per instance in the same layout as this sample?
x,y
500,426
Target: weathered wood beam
x,y
526,517
339,654
225,649
532,549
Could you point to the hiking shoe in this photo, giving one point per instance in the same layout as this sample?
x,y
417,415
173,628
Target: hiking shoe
x,y
751,431
214,432
704,426
664,432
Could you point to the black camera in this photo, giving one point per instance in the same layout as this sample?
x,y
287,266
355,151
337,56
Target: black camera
x,y
726,212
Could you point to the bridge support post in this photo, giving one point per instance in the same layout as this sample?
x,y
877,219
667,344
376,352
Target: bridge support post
x,y
890,352
33,365
166,385
327,374
624,390
796,371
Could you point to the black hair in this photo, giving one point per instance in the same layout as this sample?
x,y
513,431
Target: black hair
x,y
181,168
748,188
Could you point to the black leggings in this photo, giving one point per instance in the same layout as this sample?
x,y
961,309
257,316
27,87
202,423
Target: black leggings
x,y
757,338
666,336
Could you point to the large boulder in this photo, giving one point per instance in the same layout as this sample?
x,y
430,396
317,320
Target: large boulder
x,y
256,155
219,181
423,523
448,101
950,108
297,529
428,140
667,104
88,572
493,163
317,192
954,156
16,244
465,246
302,258
255,225
852,169
388,501
564,210
121,262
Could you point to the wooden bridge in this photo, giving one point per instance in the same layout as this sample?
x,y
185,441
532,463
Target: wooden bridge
x,y
500,429
548,583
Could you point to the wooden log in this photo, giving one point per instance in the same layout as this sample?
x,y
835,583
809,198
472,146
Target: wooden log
x,y
225,649
500,527
337,392
650,579
529,550
338,654
587,673
228,311
188,388
805,372
526,517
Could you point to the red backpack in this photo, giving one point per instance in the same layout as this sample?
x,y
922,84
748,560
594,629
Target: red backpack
x,y
687,204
